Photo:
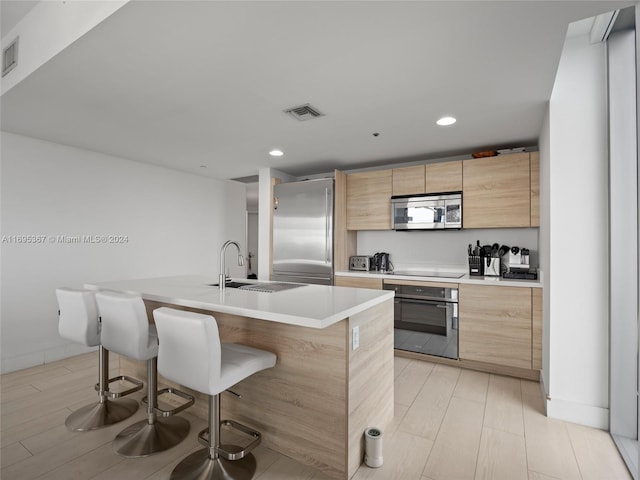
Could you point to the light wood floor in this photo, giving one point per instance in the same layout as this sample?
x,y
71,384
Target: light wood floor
x,y
450,424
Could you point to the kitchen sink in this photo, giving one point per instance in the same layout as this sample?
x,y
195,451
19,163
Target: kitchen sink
x,y
269,287
232,284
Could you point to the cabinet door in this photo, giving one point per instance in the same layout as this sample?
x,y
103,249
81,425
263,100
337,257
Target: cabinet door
x,y
496,192
495,325
535,188
369,200
345,242
408,180
536,328
358,282
443,177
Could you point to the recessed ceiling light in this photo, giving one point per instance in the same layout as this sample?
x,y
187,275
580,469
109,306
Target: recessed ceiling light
x,y
276,153
444,121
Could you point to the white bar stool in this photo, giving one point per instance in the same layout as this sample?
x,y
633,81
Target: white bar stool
x,y
80,323
191,354
126,330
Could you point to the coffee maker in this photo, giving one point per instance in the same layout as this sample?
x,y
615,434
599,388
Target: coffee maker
x,y
517,258
518,264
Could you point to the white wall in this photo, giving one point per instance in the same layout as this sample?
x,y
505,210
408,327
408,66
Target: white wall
x,y
544,239
577,285
174,223
442,248
623,198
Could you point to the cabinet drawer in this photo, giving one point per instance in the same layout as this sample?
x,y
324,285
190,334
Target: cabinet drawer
x,y
358,282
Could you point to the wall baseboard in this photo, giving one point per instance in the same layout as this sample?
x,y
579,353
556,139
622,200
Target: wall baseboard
x,y
20,362
588,415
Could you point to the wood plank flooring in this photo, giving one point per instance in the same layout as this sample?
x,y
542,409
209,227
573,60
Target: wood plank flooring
x,y
450,424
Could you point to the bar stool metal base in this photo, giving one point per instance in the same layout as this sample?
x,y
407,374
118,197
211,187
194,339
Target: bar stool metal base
x,y
143,438
98,415
200,466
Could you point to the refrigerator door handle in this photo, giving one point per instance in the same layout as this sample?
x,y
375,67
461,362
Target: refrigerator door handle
x,y
327,229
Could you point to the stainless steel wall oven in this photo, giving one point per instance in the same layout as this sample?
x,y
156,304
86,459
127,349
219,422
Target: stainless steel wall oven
x,y
426,319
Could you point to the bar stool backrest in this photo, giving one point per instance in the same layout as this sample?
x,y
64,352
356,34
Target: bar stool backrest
x,y
189,350
79,321
125,326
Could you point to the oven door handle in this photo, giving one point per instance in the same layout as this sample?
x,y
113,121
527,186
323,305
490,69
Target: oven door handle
x,y
423,302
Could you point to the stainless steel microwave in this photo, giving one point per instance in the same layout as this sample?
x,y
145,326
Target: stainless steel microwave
x,y
427,212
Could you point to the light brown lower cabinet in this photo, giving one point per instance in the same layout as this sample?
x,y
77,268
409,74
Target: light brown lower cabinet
x,y
358,282
495,325
536,328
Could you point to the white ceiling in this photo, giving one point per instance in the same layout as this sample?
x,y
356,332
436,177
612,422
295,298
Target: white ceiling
x,y
12,11
187,84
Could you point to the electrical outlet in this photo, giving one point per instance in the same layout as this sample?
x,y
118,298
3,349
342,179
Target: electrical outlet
x,y
355,337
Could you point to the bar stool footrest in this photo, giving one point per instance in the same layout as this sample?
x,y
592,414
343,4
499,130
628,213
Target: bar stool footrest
x,y
138,384
190,400
257,438
203,438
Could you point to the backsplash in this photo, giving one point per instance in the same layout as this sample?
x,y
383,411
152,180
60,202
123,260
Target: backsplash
x,y
442,248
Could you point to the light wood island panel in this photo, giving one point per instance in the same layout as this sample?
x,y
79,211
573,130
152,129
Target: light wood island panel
x,y
371,396
315,404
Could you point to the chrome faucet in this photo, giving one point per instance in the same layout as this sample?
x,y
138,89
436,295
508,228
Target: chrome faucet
x,y
222,278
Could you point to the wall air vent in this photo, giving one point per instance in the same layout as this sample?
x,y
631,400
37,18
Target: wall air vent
x,y
10,57
304,112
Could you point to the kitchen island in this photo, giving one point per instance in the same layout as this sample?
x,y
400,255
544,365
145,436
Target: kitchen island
x,y
326,387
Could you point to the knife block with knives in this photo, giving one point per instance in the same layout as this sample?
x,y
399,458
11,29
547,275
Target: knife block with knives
x,y
476,265
484,261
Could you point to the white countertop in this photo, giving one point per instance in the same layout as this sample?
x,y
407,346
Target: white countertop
x,y
315,306
466,278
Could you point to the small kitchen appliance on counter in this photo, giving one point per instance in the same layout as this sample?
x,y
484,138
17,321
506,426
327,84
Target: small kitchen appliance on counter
x,y
517,261
361,263
485,260
382,262
379,262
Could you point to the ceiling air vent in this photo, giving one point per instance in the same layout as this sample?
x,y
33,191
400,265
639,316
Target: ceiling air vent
x,y
304,112
10,57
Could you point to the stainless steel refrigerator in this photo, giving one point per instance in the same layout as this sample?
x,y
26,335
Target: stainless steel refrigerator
x,y
303,232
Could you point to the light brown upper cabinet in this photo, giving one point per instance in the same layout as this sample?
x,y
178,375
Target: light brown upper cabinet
x,y
497,191
429,178
535,188
408,180
345,242
443,177
369,200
